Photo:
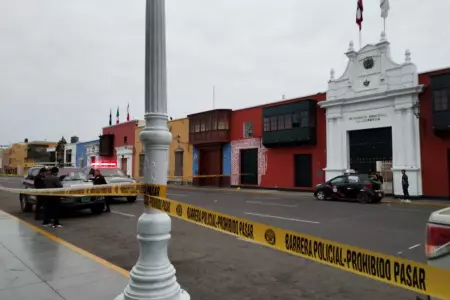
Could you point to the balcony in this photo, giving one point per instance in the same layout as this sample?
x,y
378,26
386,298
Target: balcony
x,y
440,90
209,137
210,127
292,124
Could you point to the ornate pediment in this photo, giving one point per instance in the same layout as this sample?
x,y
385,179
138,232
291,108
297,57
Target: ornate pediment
x,y
372,72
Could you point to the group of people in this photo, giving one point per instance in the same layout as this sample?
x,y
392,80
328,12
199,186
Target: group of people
x,y
48,179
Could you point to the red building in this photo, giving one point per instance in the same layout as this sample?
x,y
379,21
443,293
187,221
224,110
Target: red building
x,y
435,133
117,144
279,145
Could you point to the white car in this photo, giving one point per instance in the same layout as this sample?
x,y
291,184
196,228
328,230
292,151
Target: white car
x,y
438,239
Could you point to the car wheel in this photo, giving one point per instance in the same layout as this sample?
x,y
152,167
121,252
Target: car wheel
x,y
25,206
320,195
97,209
363,198
131,199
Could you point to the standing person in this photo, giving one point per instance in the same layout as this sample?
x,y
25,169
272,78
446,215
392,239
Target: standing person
x,y
405,186
100,179
51,182
380,179
39,184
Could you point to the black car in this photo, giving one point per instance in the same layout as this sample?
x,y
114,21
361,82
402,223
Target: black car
x,y
359,187
70,177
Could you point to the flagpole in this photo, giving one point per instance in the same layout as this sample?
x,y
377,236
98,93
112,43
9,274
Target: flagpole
x,y
359,39
384,25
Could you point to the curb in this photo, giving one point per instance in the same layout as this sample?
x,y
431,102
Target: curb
x,y
302,195
72,247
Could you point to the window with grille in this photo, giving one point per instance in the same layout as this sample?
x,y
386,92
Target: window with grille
x,y
304,119
266,124
288,121
69,155
441,100
248,129
273,123
280,125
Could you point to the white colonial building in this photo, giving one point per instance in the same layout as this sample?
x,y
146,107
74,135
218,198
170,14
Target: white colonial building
x,y
92,153
70,154
371,118
125,159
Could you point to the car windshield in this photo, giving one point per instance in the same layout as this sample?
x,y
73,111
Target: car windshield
x,y
74,176
112,173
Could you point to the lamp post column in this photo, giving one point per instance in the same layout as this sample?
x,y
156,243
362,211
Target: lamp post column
x,y
153,276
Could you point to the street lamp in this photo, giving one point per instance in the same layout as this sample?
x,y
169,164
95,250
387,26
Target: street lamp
x,y
153,276
416,109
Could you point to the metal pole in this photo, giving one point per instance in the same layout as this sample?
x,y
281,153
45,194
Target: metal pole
x,y
153,276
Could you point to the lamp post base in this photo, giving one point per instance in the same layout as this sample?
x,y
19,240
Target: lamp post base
x,y
153,277
182,295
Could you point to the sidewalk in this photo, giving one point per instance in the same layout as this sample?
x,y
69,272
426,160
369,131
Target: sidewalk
x,y
37,265
304,195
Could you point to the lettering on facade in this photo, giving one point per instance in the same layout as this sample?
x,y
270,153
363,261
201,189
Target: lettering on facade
x,y
368,118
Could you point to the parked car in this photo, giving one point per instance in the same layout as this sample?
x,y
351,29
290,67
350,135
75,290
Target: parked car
x,y
438,239
358,187
70,177
112,175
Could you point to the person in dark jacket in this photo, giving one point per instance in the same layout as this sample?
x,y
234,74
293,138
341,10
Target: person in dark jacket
x,y
405,186
39,184
52,213
100,179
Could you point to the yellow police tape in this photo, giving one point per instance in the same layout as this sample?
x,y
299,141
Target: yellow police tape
x,y
123,189
411,275
393,270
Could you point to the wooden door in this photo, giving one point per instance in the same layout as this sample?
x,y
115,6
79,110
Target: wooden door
x,y
179,163
124,163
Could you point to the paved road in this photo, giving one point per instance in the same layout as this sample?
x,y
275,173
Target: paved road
x,y
211,265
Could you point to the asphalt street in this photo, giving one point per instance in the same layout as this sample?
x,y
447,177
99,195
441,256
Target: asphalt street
x,y
212,265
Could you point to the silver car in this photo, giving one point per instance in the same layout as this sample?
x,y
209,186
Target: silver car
x,y
112,175
70,177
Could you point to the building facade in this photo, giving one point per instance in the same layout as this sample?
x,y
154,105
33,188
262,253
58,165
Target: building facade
x,y
209,134
180,152
139,155
124,136
279,145
434,126
87,153
70,154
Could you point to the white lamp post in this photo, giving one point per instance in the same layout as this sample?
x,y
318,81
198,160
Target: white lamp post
x,y
153,276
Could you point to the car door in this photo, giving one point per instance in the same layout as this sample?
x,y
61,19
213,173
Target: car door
x,y
354,186
339,186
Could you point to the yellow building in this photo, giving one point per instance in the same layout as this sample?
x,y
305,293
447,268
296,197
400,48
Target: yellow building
x,y
22,156
180,152
138,154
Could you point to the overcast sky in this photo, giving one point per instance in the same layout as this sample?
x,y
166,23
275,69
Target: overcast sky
x,y
64,64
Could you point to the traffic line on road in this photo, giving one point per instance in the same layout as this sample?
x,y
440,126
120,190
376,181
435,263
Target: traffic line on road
x,y
281,218
123,214
177,195
410,248
270,204
415,246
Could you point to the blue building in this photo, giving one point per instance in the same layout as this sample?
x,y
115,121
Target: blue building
x,y
87,153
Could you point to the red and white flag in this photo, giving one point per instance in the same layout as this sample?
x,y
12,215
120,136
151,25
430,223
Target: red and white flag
x,y
359,13
128,112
